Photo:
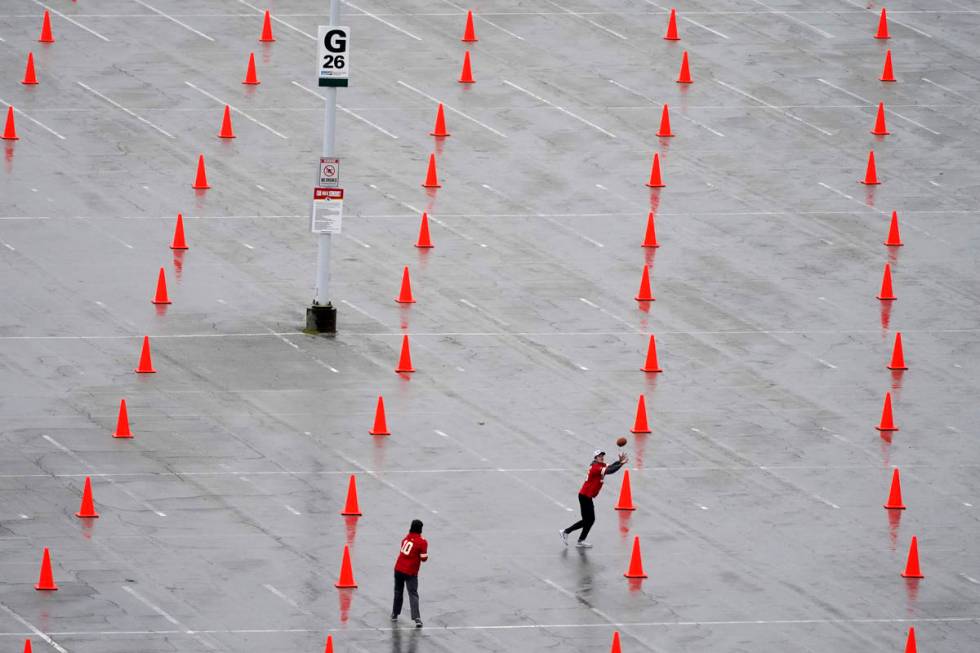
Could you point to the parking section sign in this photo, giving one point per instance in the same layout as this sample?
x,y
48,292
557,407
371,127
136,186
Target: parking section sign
x,y
333,55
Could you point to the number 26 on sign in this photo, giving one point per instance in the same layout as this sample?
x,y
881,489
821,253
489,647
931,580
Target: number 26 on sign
x,y
333,55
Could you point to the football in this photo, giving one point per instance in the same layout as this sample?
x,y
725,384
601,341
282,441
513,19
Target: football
x,y
621,442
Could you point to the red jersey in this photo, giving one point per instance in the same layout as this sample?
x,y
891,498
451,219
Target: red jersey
x,y
413,552
593,483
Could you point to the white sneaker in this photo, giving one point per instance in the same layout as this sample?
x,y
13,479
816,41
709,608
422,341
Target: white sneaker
x,y
564,536
583,545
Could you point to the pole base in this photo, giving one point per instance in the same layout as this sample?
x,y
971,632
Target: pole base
x,y
321,319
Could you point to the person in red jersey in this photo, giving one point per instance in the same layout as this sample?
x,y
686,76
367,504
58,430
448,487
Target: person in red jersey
x,y
413,552
590,490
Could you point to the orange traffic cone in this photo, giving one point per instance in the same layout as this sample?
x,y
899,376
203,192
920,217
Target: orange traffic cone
x,y
87,509
46,581
685,76
664,131
440,127
886,292
645,294
431,180
266,36
466,75
424,241
469,33
201,181
27,646
250,77
146,363
895,493
656,181
405,359
887,423
351,508
346,572
640,423
122,422
226,128
871,174
178,242
405,295
671,34
910,642
882,26
329,648
380,423
29,76
9,127
912,564
894,238
651,364
898,356
625,493
880,129
887,75
636,561
161,295
650,237
46,36
615,643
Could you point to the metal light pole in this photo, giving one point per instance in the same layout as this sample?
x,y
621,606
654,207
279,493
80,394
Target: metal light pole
x,y
321,316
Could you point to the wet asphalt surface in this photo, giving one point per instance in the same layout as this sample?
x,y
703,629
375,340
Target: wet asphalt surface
x,y
759,491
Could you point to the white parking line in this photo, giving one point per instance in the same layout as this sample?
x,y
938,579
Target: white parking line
x,y
153,606
775,108
349,112
70,20
329,367
871,104
34,629
688,20
171,18
520,626
35,121
562,109
599,613
236,110
819,31
947,89
650,99
466,302
891,17
588,20
612,315
480,18
121,107
381,20
85,463
284,597
279,20
453,109
292,510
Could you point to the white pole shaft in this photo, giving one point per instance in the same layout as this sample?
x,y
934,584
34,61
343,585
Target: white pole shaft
x,y
321,290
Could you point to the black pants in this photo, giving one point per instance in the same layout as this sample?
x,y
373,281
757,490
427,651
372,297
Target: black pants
x,y
412,582
588,517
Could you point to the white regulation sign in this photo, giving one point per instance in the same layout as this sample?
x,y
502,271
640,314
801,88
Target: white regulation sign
x,y
328,210
333,55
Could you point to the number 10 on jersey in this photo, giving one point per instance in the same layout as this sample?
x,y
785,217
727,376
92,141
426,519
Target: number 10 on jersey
x,y
333,55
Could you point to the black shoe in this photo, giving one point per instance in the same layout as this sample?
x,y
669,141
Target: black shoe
x,y
394,617
418,623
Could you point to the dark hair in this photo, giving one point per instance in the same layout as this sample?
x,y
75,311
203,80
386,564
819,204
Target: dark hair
x,y
416,526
